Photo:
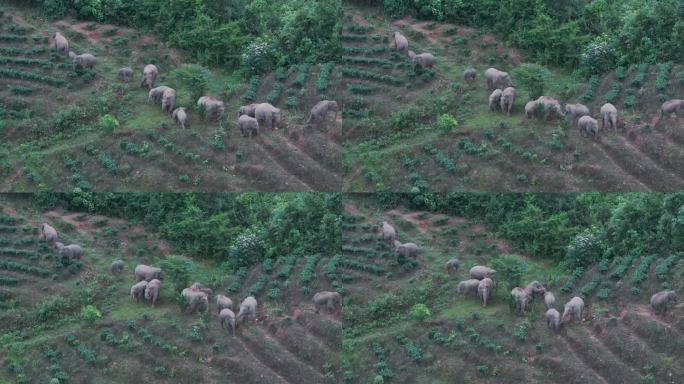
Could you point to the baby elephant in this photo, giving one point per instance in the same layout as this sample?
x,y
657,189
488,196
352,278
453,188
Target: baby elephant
x,y
387,232
663,301
248,309
588,126
484,290
155,95
248,110
223,302
670,107
495,99
326,299
249,126
180,117
71,251
320,111
169,100
152,291
138,290
575,111
423,60
453,265
125,74
553,319
468,287
407,250
573,310
197,301
507,100
150,73
117,267
549,300
470,75
49,233
85,60
227,318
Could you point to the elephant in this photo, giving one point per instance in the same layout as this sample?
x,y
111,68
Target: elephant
x,y
199,287
332,301
152,291
497,79
484,290
672,107
227,318
387,232
60,43
214,108
549,300
180,117
573,310
609,115
480,272
453,265
147,273
249,126
530,109
411,54
49,233
550,106
117,267
169,100
575,111
507,100
267,115
247,110
223,302
470,75
468,287
588,125
400,42
523,296
495,99
396,244
155,95
197,301
248,309
553,319
321,109
407,250
150,73
126,74
71,55
85,60
662,301
138,290
423,60
71,251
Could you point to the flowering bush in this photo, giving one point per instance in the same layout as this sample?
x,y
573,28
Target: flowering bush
x,y
598,56
259,57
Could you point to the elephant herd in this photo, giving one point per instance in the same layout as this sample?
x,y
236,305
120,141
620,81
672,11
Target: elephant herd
x,y
66,252
422,60
61,45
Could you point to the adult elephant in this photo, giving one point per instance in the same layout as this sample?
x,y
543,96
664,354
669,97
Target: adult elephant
x,y
497,79
268,116
332,301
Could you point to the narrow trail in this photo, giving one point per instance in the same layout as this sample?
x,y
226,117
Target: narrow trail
x,y
266,368
598,341
572,348
614,164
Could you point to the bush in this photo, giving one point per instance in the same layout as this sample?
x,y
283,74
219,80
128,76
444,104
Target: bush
x,y
90,314
258,57
108,123
584,250
509,270
420,313
446,123
247,249
533,78
68,118
178,269
599,56
193,78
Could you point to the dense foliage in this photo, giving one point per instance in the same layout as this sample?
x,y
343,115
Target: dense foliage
x,y
223,32
241,228
594,32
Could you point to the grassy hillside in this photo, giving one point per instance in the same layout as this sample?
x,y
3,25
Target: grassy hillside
x,y
388,338
431,131
49,334
56,137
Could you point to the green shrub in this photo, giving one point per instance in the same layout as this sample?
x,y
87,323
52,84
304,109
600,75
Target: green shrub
x,y
108,123
420,313
90,314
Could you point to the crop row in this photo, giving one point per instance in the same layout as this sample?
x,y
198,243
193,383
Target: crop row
x,y
324,76
21,51
25,61
359,266
9,265
367,61
238,280
258,286
591,90
622,265
8,280
9,37
307,274
251,93
273,96
589,287
662,79
18,252
572,280
5,219
23,75
366,75
302,75
641,271
330,268
353,37
356,28
640,77
373,50
664,267
288,266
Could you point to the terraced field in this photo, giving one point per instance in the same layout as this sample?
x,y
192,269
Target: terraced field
x,y
386,339
430,130
86,129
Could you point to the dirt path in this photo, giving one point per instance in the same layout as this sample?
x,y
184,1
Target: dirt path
x,y
266,368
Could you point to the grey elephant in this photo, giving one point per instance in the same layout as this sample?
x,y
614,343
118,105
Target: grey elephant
x,y
670,107
248,309
248,126
387,232
152,291
423,60
549,300
227,319
199,287
663,301
150,73
480,272
117,267
495,99
198,301
470,75
453,265
587,125
169,100
332,301
125,74
553,319
484,290
155,95
400,42
523,296
138,290
60,43
609,116
573,310
85,60
213,108
468,287
147,273
72,55
497,79
247,110
407,250
48,233
223,301
575,111
550,106
411,54
321,109
507,100
180,117
71,251
530,109
268,116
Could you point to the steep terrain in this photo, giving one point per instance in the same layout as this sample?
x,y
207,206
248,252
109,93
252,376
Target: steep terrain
x,y
52,119
460,341
431,130
47,334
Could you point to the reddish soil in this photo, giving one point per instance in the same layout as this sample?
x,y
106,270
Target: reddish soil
x,y
421,224
9,211
357,19
486,38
